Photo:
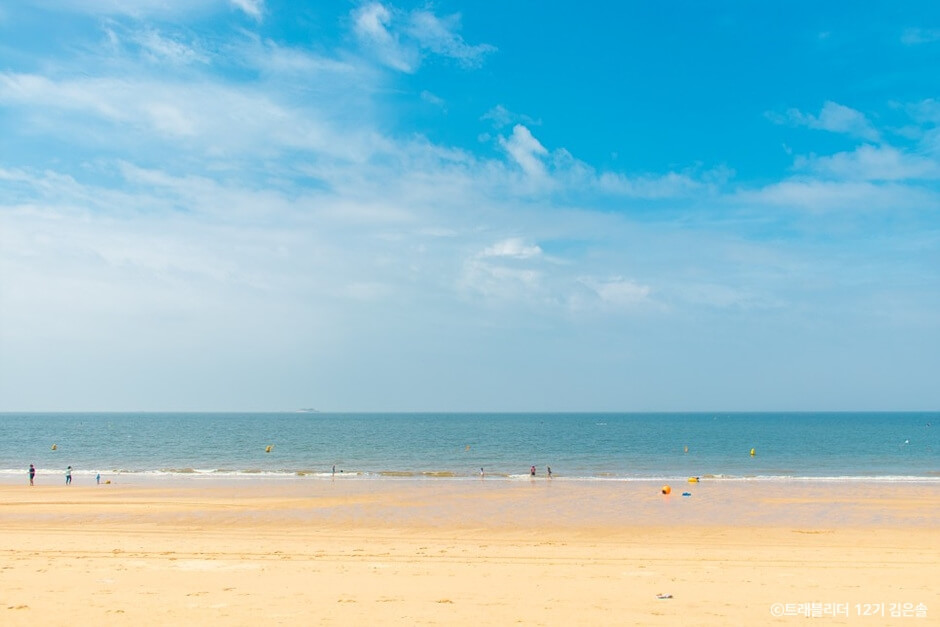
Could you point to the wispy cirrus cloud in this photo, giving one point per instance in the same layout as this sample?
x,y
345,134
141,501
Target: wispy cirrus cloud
x,y
833,117
371,23
618,292
400,39
828,195
439,36
501,117
251,8
225,119
140,9
513,247
526,151
166,49
871,163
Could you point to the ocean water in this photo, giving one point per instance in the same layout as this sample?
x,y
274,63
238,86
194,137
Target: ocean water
x,y
442,446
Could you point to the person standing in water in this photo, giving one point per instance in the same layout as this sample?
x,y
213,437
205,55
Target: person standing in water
x,y
549,471
32,474
532,471
68,476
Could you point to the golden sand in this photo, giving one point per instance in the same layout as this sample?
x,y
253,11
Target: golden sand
x,y
361,552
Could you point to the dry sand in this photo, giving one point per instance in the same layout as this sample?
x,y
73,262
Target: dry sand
x,y
366,552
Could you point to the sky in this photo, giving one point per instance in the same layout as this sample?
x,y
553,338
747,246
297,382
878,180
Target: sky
x,y
261,205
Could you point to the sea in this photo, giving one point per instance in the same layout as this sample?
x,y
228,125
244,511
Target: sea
x,y
847,446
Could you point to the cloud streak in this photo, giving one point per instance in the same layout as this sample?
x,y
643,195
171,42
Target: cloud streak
x,y
401,40
833,117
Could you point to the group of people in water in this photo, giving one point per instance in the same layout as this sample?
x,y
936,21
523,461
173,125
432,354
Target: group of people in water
x,y
547,468
68,475
532,472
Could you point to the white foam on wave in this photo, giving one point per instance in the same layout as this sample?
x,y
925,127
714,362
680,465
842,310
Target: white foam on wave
x,y
208,473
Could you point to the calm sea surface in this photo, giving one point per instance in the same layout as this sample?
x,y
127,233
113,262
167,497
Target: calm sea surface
x,y
800,446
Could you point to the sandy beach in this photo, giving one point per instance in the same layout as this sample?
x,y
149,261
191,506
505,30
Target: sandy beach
x,y
352,552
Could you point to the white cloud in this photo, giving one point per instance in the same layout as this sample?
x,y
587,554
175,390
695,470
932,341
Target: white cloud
x,y
859,196
618,291
163,49
399,40
501,283
433,99
833,117
370,23
512,247
526,151
872,163
926,111
225,119
252,8
438,35
500,116
137,8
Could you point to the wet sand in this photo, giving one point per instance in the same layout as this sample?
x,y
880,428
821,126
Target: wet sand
x,y
465,552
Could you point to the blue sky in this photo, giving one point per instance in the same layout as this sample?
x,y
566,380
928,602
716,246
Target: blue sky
x,y
263,205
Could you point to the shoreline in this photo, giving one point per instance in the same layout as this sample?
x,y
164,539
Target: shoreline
x,y
50,476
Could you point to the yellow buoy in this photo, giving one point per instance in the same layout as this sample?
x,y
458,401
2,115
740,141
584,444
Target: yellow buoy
x,y
753,452
268,448
693,479
55,446
666,489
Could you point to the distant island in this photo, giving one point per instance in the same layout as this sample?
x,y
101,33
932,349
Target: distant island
x,y
308,410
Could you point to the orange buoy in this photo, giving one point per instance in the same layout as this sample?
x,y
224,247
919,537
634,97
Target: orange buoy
x,y
666,489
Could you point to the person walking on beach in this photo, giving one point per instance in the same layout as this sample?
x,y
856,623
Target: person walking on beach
x,y
98,478
68,476
532,471
32,474
549,471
